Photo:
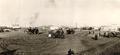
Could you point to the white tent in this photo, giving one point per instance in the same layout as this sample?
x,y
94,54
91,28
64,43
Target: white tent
x,y
110,28
54,27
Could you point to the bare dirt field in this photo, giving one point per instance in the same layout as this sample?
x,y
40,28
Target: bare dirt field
x,y
39,44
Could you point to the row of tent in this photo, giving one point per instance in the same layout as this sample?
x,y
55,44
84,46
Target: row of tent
x,y
45,29
103,28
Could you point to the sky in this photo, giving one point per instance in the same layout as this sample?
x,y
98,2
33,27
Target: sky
x,y
59,12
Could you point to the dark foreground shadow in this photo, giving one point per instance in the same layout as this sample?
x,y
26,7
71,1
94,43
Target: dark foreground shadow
x,y
117,53
112,53
9,52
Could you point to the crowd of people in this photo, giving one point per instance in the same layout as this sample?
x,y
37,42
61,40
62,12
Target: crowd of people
x,y
107,34
70,31
60,33
33,30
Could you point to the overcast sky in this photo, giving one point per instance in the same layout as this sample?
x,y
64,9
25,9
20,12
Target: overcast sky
x,y
59,12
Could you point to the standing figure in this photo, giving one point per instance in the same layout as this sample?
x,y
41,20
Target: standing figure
x,y
36,30
61,33
57,34
50,33
96,36
70,52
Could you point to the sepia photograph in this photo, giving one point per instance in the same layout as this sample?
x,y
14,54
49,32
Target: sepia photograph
x,y
59,27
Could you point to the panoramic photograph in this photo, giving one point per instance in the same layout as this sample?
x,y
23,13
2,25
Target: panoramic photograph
x,y
59,27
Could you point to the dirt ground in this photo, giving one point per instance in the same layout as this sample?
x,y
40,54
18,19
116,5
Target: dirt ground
x,y
80,42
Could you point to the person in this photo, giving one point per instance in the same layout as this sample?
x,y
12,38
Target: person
x,y
70,52
57,33
73,31
29,30
96,36
36,30
69,31
89,32
50,33
61,33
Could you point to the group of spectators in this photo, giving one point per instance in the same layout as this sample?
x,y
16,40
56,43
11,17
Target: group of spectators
x,y
58,33
33,30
